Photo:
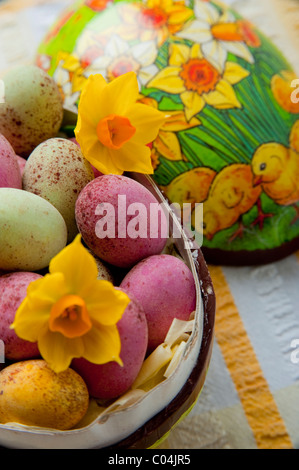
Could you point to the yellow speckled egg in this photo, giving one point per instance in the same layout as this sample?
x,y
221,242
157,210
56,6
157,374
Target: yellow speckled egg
x,y
32,394
57,171
32,231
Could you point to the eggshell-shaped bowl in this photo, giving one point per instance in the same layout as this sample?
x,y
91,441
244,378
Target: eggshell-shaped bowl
x,y
230,140
145,420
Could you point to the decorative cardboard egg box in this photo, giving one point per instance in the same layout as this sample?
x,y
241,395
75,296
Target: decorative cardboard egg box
x,y
231,137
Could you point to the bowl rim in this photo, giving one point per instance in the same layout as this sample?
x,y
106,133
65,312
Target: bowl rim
x,y
156,427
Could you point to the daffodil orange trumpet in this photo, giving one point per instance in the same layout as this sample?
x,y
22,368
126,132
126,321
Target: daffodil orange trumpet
x,y
113,130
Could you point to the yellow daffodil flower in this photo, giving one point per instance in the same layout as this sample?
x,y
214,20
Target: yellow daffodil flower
x,y
220,34
70,313
167,143
112,129
197,81
153,19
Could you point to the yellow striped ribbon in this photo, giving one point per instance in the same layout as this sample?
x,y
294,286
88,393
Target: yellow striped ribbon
x,y
258,403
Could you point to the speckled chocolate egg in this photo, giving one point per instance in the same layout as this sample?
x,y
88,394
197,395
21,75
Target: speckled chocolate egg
x,y
230,97
57,171
33,109
120,220
165,288
32,231
32,394
10,173
13,290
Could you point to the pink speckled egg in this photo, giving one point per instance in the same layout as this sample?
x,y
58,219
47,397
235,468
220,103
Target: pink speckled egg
x,y
113,214
10,174
165,287
110,380
13,290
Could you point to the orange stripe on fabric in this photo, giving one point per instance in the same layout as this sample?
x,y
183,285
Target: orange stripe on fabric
x,y
258,403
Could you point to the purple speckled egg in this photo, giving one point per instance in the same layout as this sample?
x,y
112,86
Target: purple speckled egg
x,y
110,380
10,174
165,287
13,290
113,214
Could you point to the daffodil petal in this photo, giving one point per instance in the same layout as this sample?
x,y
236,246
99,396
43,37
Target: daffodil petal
x,y
91,99
168,80
179,54
33,314
206,12
197,30
145,53
195,52
71,63
61,76
109,339
234,73
106,304
179,15
176,121
125,157
168,145
85,133
101,158
58,351
240,50
77,265
146,73
121,94
46,290
224,97
147,121
215,52
116,46
28,323
193,102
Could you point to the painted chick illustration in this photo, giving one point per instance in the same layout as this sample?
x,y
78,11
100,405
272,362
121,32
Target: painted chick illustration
x,y
231,195
276,170
190,187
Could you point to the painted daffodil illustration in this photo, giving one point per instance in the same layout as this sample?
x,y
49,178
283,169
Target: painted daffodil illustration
x,y
70,313
112,129
167,142
197,81
219,34
119,58
153,19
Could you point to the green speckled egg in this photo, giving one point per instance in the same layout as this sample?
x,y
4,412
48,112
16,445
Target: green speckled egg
x,y
57,171
32,111
231,137
32,231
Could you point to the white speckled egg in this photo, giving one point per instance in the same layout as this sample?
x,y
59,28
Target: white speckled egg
x,y
32,111
57,171
32,231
